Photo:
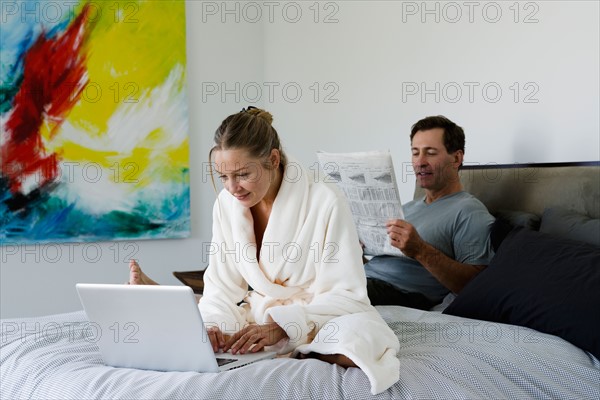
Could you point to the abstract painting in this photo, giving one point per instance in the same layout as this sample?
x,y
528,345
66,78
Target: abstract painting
x,y
93,109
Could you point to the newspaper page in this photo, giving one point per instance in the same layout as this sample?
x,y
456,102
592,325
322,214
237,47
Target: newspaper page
x,y
368,181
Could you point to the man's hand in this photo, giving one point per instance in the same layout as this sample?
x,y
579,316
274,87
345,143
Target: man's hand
x,y
405,237
450,273
254,338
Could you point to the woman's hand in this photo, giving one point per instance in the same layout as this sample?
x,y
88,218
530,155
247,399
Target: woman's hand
x,y
254,338
216,337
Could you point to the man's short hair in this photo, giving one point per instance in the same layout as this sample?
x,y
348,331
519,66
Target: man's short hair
x,y
454,136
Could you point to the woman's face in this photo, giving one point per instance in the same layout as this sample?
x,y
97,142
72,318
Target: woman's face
x,y
245,177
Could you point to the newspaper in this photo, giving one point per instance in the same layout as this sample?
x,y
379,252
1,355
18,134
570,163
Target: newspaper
x,y
368,181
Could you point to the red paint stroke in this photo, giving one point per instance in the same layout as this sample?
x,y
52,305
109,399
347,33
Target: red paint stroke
x,y
54,77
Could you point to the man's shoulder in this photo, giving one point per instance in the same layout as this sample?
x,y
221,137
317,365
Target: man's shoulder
x,y
457,204
468,200
465,205
458,199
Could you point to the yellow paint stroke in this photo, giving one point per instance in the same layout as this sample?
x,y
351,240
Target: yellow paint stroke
x,y
148,164
133,47
83,154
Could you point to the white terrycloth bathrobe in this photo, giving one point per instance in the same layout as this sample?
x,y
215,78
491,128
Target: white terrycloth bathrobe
x,y
310,279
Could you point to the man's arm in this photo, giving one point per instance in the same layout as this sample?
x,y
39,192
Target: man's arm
x,y
452,274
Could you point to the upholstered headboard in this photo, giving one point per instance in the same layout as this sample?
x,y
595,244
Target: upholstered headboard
x,y
534,187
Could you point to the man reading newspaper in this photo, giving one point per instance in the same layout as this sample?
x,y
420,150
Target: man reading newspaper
x,y
442,240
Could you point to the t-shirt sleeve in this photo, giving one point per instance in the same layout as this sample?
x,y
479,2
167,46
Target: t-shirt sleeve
x,y
472,244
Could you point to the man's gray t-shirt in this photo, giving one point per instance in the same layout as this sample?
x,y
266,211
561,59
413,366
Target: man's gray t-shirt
x,y
458,225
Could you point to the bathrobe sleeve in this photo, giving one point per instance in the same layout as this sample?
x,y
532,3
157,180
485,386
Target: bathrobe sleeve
x,y
339,284
224,286
339,319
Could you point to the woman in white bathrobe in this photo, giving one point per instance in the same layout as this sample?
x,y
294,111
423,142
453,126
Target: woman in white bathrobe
x,y
293,241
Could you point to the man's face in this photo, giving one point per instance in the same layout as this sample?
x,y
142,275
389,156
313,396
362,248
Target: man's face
x,y
434,167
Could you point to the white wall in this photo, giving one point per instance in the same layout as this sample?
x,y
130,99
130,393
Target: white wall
x,y
39,280
378,51
366,61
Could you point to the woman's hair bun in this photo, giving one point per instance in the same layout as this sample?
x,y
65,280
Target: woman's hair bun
x,y
260,113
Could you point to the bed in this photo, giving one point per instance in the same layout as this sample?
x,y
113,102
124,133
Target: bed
x,y
443,355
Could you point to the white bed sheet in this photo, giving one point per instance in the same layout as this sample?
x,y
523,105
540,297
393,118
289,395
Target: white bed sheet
x,y
441,357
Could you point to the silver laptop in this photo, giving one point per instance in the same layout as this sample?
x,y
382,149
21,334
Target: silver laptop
x,y
153,327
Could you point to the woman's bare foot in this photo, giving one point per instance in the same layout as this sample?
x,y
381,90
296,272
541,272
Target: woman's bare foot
x,y
137,277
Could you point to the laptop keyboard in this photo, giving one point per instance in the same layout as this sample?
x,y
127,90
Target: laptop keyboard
x,y
225,361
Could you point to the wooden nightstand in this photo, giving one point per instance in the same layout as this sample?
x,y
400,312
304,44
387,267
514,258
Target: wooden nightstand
x,y
193,279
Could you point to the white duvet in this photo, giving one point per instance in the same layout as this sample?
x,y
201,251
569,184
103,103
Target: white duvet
x,y
441,357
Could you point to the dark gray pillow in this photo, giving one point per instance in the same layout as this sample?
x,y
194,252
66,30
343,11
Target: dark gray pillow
x,y
519,218
506,220
541,281
571,225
